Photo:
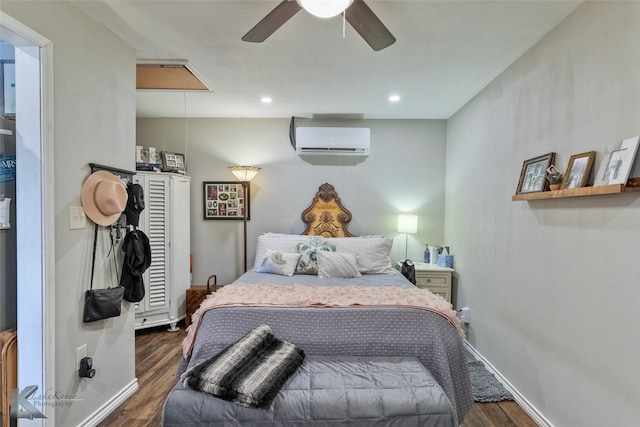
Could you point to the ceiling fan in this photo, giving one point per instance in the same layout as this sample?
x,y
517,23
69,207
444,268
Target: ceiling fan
x,y
356,12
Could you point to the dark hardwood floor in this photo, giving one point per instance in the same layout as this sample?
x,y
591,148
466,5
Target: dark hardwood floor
x,y
158,354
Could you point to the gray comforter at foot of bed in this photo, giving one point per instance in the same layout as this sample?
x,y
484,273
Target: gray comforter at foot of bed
x,y
364,331
328,390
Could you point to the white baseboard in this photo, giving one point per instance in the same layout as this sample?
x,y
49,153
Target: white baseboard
x,y
103,412
531,410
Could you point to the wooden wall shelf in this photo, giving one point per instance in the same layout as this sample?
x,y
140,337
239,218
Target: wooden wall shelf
x,y
633,186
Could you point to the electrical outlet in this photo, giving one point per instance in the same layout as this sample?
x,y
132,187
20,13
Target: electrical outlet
x,y
77,218
466,315
81,353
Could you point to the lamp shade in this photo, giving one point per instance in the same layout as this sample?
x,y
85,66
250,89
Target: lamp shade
x,y
325,8
407,223
245,173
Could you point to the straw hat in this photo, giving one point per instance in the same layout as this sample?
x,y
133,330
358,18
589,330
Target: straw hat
x,y
103,197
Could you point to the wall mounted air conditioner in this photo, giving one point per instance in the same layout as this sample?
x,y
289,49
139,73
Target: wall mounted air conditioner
x,y
333,141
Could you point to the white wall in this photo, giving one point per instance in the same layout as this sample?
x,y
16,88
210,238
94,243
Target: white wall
x,y
94,121
404,173
553,285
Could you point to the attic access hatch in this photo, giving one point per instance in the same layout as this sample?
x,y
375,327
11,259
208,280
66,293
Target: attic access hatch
x,y
167,75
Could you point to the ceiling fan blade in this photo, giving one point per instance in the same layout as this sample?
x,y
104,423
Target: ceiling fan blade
x,y
274,20
367,24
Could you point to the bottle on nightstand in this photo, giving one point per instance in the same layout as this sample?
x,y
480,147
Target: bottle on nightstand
x,y
427,258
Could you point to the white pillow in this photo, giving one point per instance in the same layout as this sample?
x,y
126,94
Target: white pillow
x,y
283,235
276,262
277,242
337,264
374,253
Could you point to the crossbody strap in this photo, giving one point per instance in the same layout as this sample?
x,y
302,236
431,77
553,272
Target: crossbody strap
x,y
93,257
113,251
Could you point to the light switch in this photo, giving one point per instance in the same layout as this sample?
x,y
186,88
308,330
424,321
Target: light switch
x,y
77,218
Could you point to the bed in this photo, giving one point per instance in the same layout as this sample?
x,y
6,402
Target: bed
x,y
354,305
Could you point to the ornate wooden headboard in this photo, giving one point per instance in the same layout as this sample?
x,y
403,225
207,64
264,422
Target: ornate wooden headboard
x,y
326,216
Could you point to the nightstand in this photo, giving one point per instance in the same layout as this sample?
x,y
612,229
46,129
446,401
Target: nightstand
x,y
433,277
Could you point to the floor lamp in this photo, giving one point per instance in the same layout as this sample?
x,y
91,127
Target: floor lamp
x,y
407,224
245,174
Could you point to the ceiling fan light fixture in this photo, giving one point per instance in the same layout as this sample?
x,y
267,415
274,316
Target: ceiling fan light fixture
x,y
325,8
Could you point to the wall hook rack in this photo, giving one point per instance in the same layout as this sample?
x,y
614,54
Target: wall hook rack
x,y
123,173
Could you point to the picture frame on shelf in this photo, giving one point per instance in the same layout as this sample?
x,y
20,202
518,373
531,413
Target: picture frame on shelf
x,y
173,162
578,170
225,200
600,177
621,161
533,174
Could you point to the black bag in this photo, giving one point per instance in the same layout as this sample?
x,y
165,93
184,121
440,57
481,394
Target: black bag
x,y
409,270
101,303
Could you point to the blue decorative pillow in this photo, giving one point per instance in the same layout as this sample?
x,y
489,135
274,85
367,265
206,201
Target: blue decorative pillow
x,y
308,262
276,262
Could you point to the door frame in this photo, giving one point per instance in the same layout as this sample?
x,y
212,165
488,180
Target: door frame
x,y
34,208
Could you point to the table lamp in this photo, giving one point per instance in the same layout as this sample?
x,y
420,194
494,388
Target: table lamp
x,y
407,224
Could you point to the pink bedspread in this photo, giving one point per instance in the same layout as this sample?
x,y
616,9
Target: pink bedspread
x,y
271,295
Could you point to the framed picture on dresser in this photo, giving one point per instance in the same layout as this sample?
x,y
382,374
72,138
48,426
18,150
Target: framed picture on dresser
x,y
173,162
225,200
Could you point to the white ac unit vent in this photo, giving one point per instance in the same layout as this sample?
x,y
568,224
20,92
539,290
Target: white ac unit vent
x,y
333,141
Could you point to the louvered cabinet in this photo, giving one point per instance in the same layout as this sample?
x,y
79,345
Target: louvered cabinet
x,y
165,220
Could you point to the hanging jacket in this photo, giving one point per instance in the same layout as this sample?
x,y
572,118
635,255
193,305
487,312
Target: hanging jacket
x,y
137,258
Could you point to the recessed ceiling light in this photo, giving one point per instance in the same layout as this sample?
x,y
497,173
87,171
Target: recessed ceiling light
x,y
266,100
394,98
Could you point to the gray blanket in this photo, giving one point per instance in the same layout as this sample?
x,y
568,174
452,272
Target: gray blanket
x,y
250,372
328,391
364,331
